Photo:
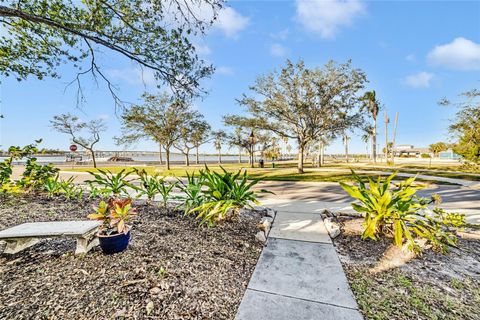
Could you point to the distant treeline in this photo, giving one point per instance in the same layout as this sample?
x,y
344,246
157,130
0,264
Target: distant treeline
x,y
42,152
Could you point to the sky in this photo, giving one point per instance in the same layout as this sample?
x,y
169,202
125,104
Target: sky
x,y
413,52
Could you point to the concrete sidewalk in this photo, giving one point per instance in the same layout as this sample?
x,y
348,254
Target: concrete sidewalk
x,y
298,275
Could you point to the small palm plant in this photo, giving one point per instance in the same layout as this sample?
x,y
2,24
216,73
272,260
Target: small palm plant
x,y
112,184
148,185
224,194
192,195
165,188
395,210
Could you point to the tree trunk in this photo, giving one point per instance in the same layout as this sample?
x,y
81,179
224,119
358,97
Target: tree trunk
x,y
167,156
322,154
300,158
187,160
239,155
93,158
197,157
374,141
345,141
219,156
161,157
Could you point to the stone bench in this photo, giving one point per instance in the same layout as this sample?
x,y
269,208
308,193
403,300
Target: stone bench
x,y
26,235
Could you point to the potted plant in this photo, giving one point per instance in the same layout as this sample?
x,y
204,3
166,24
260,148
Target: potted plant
x,y
114,233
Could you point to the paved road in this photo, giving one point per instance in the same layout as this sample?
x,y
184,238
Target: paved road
x,y
454,197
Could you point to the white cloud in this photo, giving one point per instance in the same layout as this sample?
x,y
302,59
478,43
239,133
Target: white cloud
x,y
411,57
277,50
460,54
325,17
104,117
133,76
419,80
202,49
230,22
223,70
281,35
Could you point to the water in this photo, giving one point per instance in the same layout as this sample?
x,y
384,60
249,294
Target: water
x,y
175,157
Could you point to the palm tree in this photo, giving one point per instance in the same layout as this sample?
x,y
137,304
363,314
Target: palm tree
x,y
367,137
373,107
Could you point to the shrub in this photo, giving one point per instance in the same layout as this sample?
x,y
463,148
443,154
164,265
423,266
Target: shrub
x,y
224,194
111,184
34,177
395,210
425,155
5,171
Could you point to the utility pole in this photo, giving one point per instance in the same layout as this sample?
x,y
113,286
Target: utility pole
x,y
386,135
394,137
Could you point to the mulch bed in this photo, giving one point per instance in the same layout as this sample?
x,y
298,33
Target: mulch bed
x,y
432,286
173,269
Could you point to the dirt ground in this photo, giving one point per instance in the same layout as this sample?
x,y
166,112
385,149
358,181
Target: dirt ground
x,y
173,269
432,286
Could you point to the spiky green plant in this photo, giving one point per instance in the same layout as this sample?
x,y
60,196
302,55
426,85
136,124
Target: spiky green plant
x,y
395,210
112,184
192,195
224,194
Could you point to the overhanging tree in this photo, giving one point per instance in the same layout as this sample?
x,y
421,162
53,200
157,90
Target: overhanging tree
x,y
301,103
40,35
74,126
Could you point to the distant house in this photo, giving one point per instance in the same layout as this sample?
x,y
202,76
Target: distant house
x,y
408,150
449,154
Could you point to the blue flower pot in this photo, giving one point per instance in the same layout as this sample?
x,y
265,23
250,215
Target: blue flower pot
x,y
114,243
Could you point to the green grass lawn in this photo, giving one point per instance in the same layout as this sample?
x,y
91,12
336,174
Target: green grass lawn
x,y
284,172
424,171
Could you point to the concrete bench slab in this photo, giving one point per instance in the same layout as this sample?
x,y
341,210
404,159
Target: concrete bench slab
x,y
303,270
26,235
266,306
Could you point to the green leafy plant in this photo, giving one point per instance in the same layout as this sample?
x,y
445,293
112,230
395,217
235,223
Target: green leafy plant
x,y
192,195
395,210
114,214
112,184
148,185
165,189
224,194
94,191
70,190
35,176
6,171
52,186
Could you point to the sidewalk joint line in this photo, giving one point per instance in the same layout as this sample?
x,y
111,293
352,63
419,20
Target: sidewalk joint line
x,y
303,299
308,241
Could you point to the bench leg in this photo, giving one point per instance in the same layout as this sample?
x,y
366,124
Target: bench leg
x,y
85,244
15,246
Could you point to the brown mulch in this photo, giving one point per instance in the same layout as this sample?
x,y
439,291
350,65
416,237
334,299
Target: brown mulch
x,y
430,286
173,269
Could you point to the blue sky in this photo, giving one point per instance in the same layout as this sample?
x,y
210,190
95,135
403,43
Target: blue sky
x,y
413,52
